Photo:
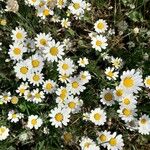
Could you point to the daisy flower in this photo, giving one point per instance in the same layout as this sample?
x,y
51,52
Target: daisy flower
x,y
93,147
75,86
22,88
107,97
28,96
61,3
16,51
144,125
36,63
83,62
34,122
116,62
111,73
35,78
18,34
86,116
64,78
14,100
73,104
62,94
132,125
4,133
33,2
119,92
98,116
85,76
5,97
147,81
103,138
65,23
128,100
54,51
99,43
100,26
13,117
42,40
59,117
85,142
127,113
131,81
49,86
22,70
77,7
66,66
38,96
115,142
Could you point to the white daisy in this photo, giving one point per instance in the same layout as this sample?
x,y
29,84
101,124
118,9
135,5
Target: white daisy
x,y
64,78
61,3
107,97
99,42
65,23
131,81
98,116
75,86
49,86
116,62
111,73
18,34
22,70
38,96
13,117
103,138
34,122
22,88
36,78
115,142
5,97
84,76
16,51
34,2
59,117
100,26
147,81
119,92
28,96
83,62
4,133
144,125
54,51
66,66
42,40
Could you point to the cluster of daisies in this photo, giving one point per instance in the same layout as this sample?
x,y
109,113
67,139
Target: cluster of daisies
x,y
45,8
35,86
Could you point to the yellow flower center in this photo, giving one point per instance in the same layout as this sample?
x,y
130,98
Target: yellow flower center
x,y
34,1
46,12
65,66
5,97
59,117
35,63
19,35
126,101
128,82
148,81
23,70
63,94
14,100
108,96
14,116
17,51
110,74
22,91
54,51
60,2
126,112
49,86
36,77
43,42
112,141
34,122
75,84
83,77
2,130
72,105
37,95
100,25
87,144
99,43
119,92
143,121
97,116
76,6
102,138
